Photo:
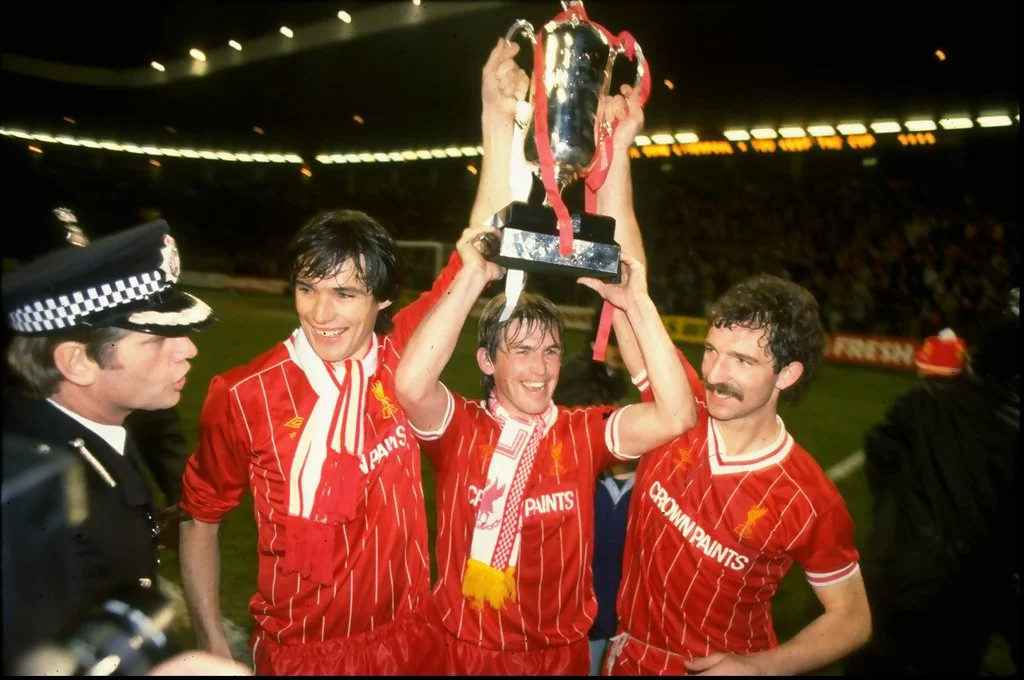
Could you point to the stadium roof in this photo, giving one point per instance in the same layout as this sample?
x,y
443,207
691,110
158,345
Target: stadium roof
x,y
411,73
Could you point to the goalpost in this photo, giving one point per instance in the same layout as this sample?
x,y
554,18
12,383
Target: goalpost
x,y
421,262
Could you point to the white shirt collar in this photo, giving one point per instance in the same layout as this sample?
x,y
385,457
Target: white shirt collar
x,y
112,434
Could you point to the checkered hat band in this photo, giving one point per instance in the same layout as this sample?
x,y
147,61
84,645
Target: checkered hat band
x,y
64,311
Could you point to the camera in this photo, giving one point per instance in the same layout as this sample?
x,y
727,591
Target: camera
x,y
46,631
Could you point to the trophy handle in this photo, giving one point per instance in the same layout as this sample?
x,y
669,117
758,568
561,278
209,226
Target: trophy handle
x,y
641,65
638,57
524,26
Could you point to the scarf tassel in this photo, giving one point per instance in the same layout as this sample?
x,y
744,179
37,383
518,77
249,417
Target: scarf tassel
x,y
483,583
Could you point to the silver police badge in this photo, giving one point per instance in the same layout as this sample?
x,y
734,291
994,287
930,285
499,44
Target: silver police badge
x,y
170,263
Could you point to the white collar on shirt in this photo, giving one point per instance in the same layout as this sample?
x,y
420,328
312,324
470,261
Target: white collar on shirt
x,y
111,434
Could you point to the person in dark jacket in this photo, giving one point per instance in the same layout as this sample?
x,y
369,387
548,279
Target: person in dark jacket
x,y
97,332
161,441
942,567
585,382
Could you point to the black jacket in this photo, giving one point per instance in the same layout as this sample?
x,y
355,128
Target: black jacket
x,y
115,545
942,468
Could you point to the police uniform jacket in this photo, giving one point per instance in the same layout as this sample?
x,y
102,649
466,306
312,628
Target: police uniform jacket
x,y
115,544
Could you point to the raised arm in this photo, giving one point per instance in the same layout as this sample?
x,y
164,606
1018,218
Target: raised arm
x,y
503,84
615,199
417,380
647,425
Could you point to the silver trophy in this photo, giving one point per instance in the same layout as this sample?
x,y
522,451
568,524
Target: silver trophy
x,y
574,62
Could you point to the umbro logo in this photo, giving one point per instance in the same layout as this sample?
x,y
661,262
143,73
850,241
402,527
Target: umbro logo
x,y
295,423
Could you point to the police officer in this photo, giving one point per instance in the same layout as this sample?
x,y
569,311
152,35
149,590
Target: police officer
x,y
97,332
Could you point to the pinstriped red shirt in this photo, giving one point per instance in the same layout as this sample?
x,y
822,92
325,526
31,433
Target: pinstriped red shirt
x,y
556,604
250,425
711,536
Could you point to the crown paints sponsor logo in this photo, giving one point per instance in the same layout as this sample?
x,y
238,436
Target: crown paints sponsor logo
x,y
556,503
369,460
694,534
544,505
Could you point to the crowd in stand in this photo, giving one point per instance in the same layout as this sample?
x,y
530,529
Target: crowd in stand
x,y
889,248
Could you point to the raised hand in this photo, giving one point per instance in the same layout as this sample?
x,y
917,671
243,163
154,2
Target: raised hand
x,y
633,286
472,248
503,83
627,111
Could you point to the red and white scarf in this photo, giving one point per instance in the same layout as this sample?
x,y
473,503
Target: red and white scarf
x,y
323,481
494,552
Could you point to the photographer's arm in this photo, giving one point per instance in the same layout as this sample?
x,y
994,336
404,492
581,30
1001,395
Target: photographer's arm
x,y
199,552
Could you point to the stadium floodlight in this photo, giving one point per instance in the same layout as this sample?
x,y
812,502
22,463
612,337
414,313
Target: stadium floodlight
x,y
197,54
958,123
345,16
235,45
662,138
158,66
736,135
287,32
885,126
994,121
792,132
919,125
642,140
687,137
852,129
763,133
821,130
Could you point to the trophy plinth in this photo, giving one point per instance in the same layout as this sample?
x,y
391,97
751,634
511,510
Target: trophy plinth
x,y
529,242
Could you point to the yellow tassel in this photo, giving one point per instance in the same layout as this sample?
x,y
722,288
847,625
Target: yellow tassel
x,y
485,584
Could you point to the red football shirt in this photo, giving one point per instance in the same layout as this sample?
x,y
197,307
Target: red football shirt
x,y
556,603
250,426
710,537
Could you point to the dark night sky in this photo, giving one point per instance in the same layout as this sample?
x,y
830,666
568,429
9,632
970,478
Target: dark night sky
x,y
733,64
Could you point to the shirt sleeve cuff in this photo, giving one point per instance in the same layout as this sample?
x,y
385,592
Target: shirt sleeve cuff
x,y
449,411
829,578
611,435
641,381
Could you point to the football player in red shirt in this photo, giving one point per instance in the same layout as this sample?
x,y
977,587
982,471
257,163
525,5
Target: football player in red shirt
x,y
515,473
314,430
719,515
